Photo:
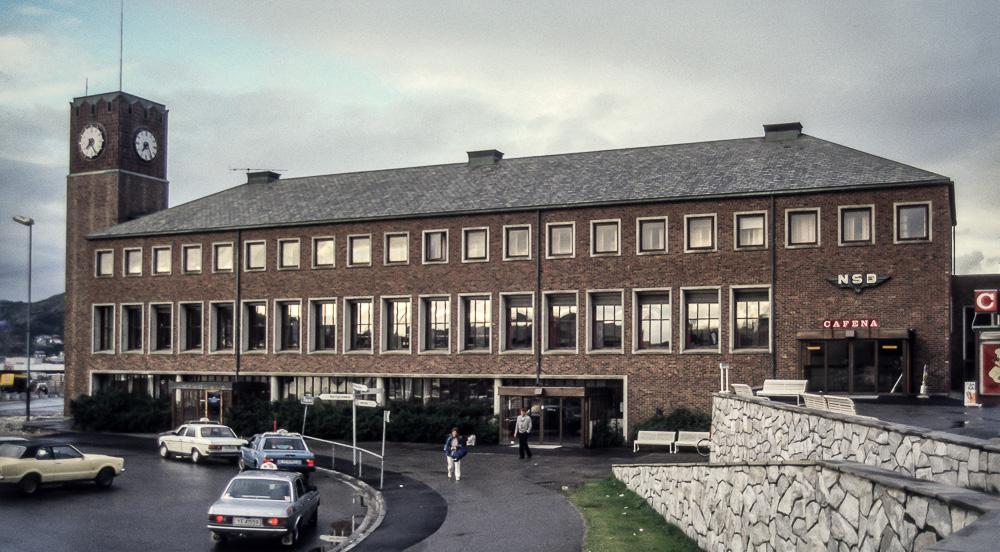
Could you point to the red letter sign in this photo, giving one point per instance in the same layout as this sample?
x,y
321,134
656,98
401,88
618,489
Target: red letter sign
x,y
986,300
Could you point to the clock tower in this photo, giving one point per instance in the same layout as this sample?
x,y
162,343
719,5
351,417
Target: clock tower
x,y
117,172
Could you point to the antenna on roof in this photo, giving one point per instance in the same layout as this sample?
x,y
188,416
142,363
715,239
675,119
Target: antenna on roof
x,y
121,44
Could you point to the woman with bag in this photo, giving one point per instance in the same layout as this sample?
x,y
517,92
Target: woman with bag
x,y
454,449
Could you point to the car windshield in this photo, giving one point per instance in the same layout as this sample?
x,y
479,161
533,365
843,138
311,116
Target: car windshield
x,y
260,489
8,450
284,443
221,431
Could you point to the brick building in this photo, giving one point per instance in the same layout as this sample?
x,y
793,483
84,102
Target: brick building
x,y
590,286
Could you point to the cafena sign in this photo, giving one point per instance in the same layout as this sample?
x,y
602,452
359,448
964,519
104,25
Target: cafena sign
x,y
857,282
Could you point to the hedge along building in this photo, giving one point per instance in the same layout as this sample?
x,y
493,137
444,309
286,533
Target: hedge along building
x,y
589,286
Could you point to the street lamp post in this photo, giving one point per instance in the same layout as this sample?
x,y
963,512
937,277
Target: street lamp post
x,y
29,222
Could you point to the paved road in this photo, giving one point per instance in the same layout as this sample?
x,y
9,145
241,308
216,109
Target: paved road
x,y
41,406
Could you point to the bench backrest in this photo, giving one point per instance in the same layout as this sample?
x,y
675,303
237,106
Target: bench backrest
x,y
841,405
814,401
649,435
691,436
742,389
784,386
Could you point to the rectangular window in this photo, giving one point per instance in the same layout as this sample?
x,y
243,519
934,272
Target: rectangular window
x,y
397,248
289,325
324,252
476,323
256,255
288,254
162,327
359,325
749,230
803,228
396,318
700,231
606,321
856,225
104,327
436,324
133,262
132,328
191,260
359,250
324,325
653,314
913,222
752,318
436,246
475,244
604,237
105,263
255,326
561,327
516,242
223,323
518,322
191,323
222,257
561,241
652,235
161,260
701,322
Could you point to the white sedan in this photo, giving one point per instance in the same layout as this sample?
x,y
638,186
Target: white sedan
x,y
200,440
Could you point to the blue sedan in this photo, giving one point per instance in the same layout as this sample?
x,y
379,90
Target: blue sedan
x,y
285,451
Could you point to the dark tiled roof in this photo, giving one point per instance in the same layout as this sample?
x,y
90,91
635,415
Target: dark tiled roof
x,y
663,173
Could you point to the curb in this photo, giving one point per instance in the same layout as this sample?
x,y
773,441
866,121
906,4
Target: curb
x,y
374,513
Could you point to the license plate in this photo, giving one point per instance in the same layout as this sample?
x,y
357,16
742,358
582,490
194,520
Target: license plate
x,y
288,461
247,522
228,449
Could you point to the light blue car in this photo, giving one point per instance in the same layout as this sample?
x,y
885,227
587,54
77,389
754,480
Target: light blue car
x,y
286,451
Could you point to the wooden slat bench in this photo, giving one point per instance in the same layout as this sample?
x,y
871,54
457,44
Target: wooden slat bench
x,y
817,402
658,438
843,405
783,388
689,438
743,390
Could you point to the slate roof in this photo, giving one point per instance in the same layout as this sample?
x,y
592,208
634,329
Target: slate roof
x,y
725,168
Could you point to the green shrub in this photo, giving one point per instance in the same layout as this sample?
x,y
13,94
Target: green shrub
x,y
679,419
606,434
119,411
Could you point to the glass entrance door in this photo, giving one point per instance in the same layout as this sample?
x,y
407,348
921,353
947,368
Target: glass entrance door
x,y
554,420
855,366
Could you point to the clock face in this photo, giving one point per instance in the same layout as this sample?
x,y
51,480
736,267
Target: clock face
x,y
91,141
145,144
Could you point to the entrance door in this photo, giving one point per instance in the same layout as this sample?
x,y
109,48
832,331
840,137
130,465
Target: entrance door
x,y
855,366
554,420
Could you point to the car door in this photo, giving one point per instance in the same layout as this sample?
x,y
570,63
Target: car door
x,y
247,452
306,499
45,464
71,464
173,441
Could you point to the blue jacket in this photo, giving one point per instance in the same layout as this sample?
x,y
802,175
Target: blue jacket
x,y
460,451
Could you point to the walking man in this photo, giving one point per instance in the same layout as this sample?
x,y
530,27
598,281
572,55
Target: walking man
x,y
522,428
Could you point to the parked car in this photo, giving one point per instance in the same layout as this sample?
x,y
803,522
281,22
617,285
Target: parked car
x,y
287,451
264,503
31,464
200,440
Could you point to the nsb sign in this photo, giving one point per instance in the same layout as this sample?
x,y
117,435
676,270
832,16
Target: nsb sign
x,y
858,281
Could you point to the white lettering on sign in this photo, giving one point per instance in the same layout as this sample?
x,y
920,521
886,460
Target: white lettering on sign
x,y
986,300
857,281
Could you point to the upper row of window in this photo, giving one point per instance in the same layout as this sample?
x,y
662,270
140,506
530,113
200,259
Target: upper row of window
x,y
802,229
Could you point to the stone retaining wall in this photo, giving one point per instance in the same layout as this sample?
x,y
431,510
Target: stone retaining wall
x,y
750,430
807,506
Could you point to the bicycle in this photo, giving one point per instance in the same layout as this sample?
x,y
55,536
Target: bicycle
x,y
704,447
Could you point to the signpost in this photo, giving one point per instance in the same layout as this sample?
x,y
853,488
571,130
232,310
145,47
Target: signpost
x,y
306,401
365,402
356,390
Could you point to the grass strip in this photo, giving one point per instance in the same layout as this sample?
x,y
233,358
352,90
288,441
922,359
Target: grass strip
x,y
618,519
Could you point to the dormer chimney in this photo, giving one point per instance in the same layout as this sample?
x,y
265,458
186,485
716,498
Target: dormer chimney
x,y
782,131
484,157
262,177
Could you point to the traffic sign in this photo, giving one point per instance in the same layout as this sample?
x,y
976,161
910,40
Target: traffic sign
x,y
364,402
337,396
307,400
359,387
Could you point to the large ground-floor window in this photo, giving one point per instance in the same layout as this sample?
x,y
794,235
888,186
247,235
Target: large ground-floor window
x,y
876,366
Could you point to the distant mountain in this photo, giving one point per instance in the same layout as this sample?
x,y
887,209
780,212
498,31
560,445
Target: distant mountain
x,y
46,319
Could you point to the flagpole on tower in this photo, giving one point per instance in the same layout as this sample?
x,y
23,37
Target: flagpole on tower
x,y
121,44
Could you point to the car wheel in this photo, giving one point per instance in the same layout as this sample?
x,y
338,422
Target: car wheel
x,y
242,464
196,456
292,537
105,478
164,452
29,484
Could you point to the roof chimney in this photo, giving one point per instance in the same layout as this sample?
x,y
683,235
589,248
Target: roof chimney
x,y
782,131
262,177
484,157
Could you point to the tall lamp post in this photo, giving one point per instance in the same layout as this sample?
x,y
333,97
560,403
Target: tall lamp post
x,y
29,222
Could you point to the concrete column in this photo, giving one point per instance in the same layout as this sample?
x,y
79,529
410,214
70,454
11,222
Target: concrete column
x,y
496,395
427,390
275,388
380,385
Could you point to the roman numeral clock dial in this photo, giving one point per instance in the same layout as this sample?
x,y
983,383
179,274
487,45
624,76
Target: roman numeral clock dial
x,y
145,144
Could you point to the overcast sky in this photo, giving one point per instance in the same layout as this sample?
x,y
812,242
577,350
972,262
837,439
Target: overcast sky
x,y
326,87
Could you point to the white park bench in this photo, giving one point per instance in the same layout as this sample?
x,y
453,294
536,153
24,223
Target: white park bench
x,y
659,438
743,390
816,402
843,405
689,438
783,388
